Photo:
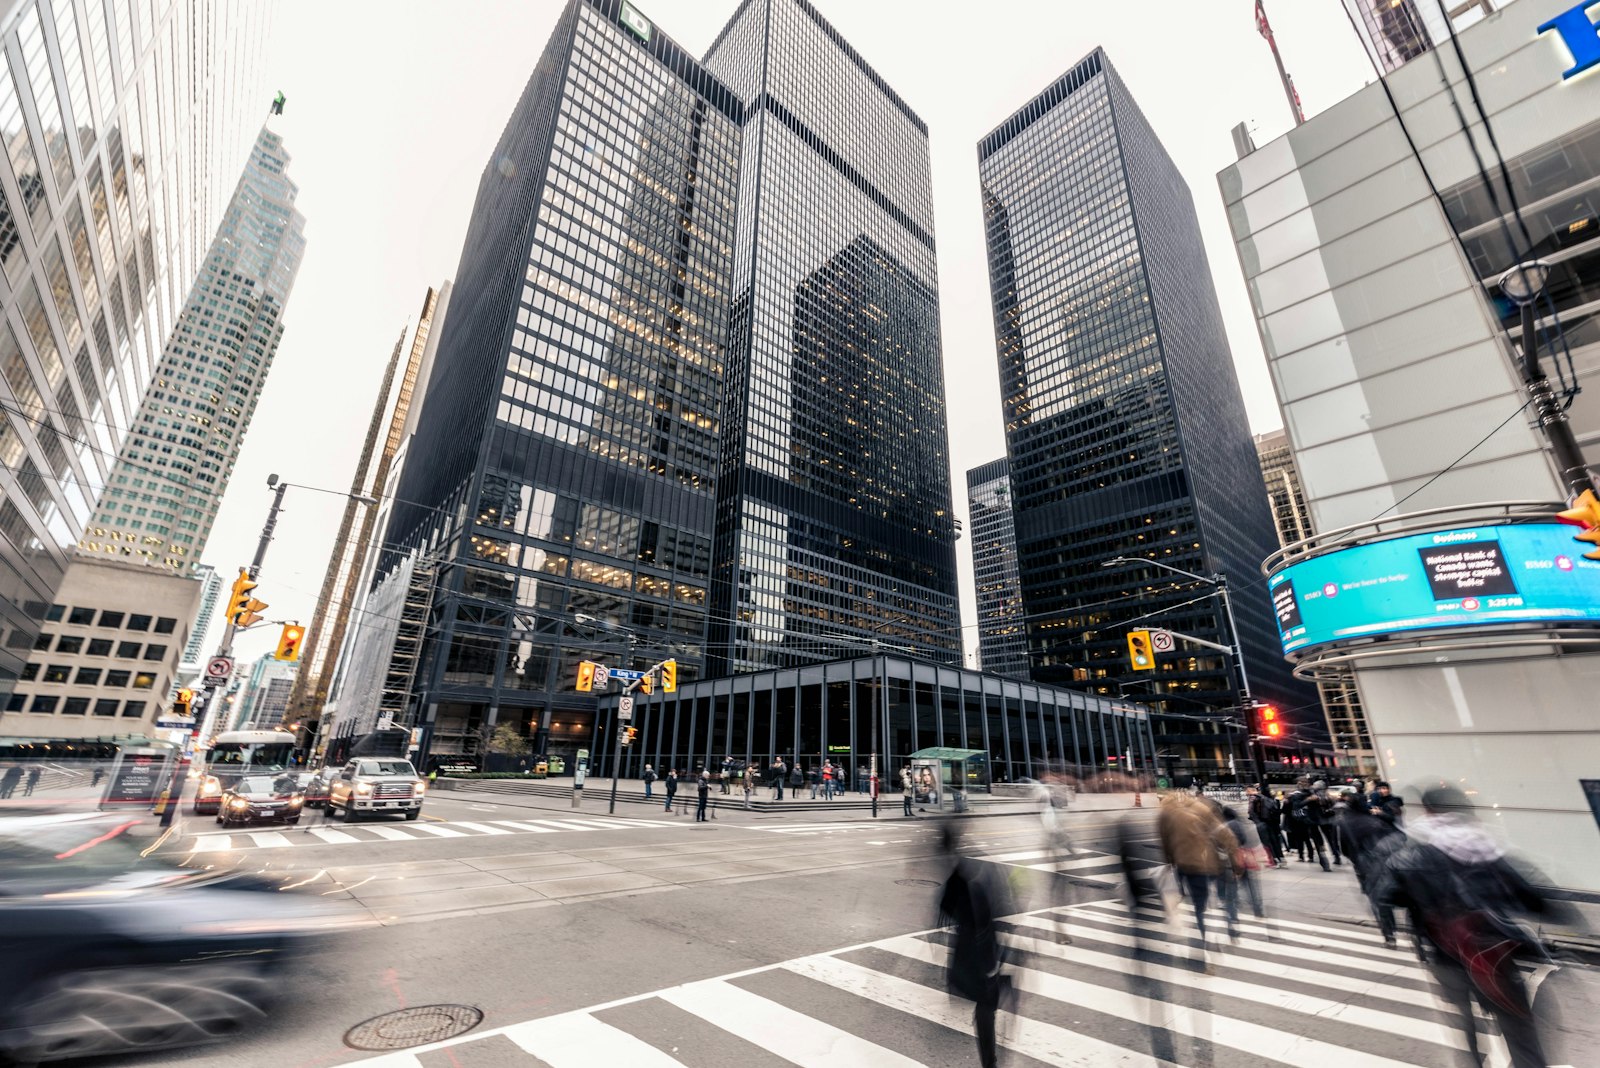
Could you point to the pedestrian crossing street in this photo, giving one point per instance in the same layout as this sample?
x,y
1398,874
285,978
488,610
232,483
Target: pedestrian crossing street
x,y
1094,985
289,837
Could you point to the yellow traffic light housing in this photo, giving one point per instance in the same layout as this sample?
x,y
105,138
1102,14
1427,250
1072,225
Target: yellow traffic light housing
x,y
648,682
182,703
1585,513
289,642
669,676
243,609
585,676
1140,655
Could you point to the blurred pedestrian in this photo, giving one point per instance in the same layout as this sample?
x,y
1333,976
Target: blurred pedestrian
x,y
972,901
672,787
1465,897
1194,841
797,778
33,780
649,778
1385,803
1267,814
728,769
1370,841
8,781
749,783
1305,836
815,775
1250,859
906,788
703,787
1325,815
827,781
780,774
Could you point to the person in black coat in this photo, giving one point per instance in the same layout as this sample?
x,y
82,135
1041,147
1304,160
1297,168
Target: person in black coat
x,y
672,787
972,902
703,787
1369,841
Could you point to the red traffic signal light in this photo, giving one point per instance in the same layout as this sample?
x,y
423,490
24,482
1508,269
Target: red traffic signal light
x,y
1271,725
289,642
1585,513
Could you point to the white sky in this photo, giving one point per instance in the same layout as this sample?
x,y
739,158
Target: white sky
x,y
394,106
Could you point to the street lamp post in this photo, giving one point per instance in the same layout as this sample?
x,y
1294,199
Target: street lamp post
x,y
1219,584
1522,285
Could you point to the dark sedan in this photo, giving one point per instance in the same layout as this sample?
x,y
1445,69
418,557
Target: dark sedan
x,y
261,799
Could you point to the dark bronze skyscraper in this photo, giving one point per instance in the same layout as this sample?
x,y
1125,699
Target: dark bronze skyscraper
x,y
834,525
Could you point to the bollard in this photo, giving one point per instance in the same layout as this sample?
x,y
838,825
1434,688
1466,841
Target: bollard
x,y
1138,801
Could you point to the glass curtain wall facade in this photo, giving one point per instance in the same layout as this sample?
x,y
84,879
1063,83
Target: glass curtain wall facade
x,y
829,709
563,471
171,472
834,529
1002,636
125,126
1125,427
1394,32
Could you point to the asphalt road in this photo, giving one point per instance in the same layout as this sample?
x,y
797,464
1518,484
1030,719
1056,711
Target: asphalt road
x,y
649,939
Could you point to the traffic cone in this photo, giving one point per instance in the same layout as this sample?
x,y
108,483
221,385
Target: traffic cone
x,y
1138,801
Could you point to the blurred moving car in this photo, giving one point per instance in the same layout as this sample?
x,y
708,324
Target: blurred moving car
x,y
262,799
108,951
375,785
316,785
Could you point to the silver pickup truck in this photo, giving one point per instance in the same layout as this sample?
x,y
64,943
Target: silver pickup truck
x,y
376,785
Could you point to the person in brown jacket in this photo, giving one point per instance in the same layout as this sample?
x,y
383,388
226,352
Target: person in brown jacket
x,y
1196,844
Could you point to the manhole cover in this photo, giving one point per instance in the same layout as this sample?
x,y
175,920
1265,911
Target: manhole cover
x,y
916,882
413,1027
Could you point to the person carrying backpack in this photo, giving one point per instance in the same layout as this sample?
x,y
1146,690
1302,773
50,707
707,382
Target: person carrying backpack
x,y
1304,832
649,777
1267,815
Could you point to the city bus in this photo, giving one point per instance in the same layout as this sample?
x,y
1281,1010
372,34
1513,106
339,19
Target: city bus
x,y
234,754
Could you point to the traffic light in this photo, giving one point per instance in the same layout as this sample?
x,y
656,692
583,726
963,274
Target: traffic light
x,y
182,703
1585,513
243,609
629,734
1140,655
289,642
647,684
586,675
1271,725
669,676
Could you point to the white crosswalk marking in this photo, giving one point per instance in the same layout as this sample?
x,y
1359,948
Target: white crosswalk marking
x,y
1323,995
362,833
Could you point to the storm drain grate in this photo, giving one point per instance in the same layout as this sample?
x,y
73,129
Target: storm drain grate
x,y
916,882
413,1027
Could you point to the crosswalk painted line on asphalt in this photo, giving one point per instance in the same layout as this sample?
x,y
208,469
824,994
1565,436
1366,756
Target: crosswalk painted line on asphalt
x,y
1106,868
222,842
1131,990
818,828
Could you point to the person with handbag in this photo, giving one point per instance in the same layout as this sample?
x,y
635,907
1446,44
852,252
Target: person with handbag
x,y
1464,898
1247,862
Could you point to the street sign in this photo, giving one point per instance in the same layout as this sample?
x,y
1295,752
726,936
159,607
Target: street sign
x,y
1161,641
622,673
625,709
219,667
176,724
602,676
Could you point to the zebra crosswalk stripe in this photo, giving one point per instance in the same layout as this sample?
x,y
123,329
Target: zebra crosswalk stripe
x,y
1087,1004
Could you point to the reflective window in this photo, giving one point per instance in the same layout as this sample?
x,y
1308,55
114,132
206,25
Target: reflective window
x,y
42,79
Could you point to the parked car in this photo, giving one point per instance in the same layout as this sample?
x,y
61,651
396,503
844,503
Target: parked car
x,y
377,785
96,933
262,799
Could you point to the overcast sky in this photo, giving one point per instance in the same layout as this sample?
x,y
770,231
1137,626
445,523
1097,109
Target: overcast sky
x,y
395,105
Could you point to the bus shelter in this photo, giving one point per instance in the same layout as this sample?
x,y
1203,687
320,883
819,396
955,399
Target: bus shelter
x,y
940,773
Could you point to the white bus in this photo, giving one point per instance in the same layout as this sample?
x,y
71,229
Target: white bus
x,y
235,754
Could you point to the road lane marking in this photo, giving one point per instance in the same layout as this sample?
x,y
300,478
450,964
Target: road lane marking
x,y
481,828
393,834
578,1040
335,837
442,832
270,840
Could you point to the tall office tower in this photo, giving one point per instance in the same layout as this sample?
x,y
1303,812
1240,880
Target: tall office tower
x,y
125,127
1002,639
173,469
264,697
1341,701
1394,32
834,520
194,650
341,588
560,482
1124,423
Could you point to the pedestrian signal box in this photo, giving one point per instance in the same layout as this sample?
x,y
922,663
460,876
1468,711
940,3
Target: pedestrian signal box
x,y
1271,725
1140,655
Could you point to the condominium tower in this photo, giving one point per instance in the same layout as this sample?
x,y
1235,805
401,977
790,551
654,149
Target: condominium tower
x,y
125,129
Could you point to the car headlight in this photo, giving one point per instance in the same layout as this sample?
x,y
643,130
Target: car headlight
x,y
363,788
295,802
239,802
210,786
419,788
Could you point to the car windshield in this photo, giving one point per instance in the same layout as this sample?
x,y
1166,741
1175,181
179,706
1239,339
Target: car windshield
x,y
385,767
267,785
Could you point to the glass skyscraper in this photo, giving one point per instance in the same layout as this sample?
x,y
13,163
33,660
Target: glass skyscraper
x,y
563,473
1002,633
1125,427
125,126
173,469
834,528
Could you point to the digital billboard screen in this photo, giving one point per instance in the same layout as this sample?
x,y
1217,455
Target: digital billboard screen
x,y
1473,576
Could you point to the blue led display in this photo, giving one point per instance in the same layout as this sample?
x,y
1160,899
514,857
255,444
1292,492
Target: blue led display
x,y
1470,577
